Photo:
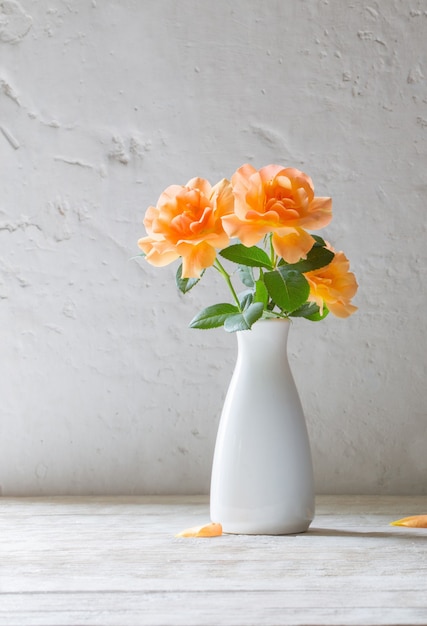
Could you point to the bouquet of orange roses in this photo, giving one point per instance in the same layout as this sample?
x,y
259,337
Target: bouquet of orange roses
x,y
253,229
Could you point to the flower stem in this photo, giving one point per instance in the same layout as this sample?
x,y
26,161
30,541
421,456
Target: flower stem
x,y
227,279
273,257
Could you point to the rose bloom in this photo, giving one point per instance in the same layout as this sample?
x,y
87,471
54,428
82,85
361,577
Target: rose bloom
x,y
333,285
186,222
278,200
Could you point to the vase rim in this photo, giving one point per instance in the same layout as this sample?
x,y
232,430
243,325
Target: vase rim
x,y
270,320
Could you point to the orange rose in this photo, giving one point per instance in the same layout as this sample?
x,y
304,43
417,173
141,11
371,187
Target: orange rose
x,y
333,285
278,200
186,222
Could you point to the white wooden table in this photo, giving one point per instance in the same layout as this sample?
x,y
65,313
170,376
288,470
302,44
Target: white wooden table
x,y
115,561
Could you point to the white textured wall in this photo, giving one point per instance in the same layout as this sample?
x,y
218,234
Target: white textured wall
x,y
103,389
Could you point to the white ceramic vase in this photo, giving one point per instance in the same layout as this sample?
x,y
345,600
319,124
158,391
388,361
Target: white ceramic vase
x,y
262,474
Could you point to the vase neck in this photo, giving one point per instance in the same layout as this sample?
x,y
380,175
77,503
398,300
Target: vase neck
x,y
267,339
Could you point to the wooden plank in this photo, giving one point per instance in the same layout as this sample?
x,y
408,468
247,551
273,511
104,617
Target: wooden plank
x,y
207,608
116,561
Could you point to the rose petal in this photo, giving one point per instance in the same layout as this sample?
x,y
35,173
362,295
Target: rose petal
x,y
271,200
293,246
207,530
415,521
196,258
333,285
187,222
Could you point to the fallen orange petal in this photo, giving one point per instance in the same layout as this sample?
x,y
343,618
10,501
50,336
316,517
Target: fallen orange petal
x,y
207,530
415,521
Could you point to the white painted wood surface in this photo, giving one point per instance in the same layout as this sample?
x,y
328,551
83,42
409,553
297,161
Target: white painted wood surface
x,y
115,561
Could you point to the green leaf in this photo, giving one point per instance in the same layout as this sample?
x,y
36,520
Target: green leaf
x,y
317,257
310,311
253,256
246,275
317,317
246,298
307,309
287,288
213,316
244,320
319,241
261,293
185,284
272,315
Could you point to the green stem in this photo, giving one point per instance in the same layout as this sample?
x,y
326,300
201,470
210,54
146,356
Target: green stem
x,y
273,257
227,278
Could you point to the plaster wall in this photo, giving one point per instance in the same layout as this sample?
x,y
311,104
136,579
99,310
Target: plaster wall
x,y
103,388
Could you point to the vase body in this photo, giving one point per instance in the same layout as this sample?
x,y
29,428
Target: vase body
x,y
262,474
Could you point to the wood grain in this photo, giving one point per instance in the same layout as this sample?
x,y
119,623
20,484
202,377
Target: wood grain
x,y
115,561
